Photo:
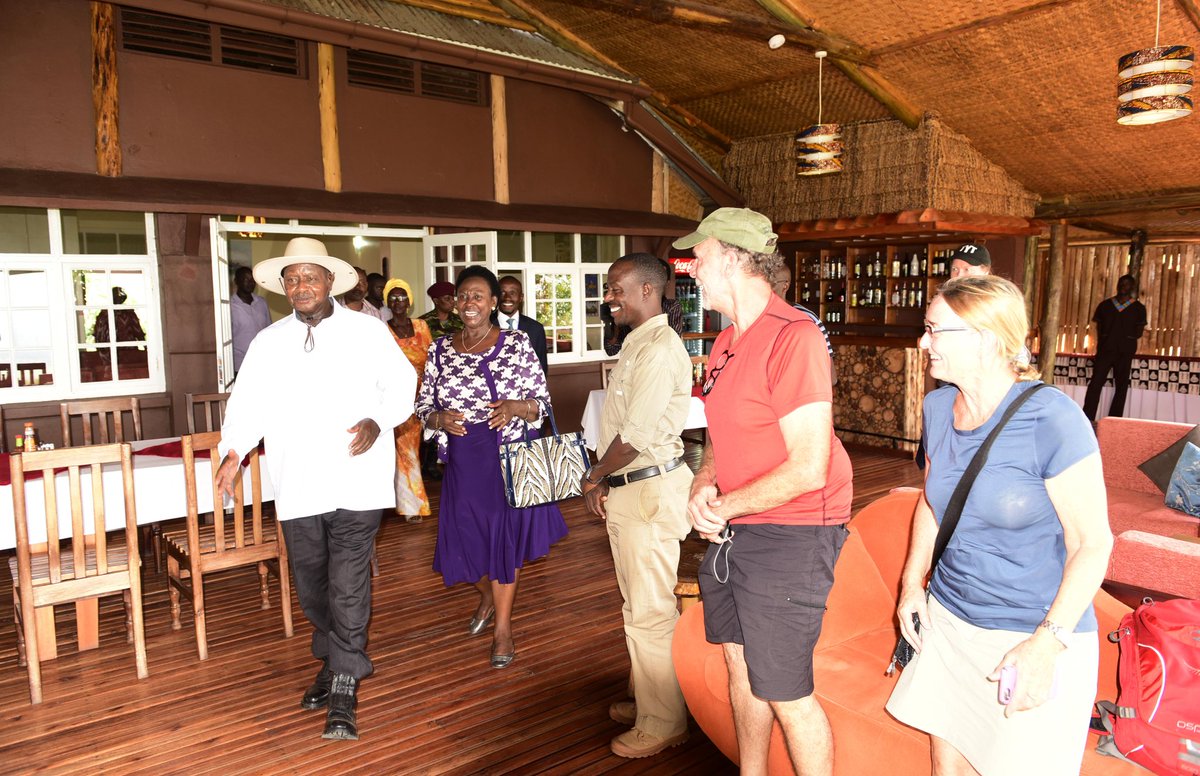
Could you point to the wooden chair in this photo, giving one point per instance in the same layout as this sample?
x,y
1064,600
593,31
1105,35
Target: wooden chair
x,y
96,416
606,368
233,540
47,573
213,406
102,412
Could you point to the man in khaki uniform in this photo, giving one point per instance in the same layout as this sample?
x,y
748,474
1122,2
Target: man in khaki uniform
x,y
640,485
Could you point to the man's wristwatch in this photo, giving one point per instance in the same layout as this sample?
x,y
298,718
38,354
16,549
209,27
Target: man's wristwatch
x,y
588,476
1057,631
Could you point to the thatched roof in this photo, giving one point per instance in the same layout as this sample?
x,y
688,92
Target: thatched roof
x,y
1031,84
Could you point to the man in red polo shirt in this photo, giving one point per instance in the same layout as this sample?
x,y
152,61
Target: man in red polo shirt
x,y
773,492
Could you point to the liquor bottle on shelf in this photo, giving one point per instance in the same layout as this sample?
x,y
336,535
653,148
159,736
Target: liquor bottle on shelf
x,y
878,264
858,270
854,298
923,263
895,296
920,297
913,266
896,266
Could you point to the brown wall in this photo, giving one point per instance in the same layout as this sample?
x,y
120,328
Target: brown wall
x,y
200,121
568,149
45,81
411,145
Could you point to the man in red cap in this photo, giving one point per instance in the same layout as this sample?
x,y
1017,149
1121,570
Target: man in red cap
x,y
442,319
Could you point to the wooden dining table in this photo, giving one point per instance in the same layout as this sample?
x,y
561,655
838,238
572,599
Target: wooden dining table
x,y
159,494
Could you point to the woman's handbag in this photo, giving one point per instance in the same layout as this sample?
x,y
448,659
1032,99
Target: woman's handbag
x,y
539,470
904,651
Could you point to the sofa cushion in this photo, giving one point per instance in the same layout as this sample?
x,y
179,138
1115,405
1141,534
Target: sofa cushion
x,y
859,600
1161,466
1135,510
1156,563
1183,493
1126,442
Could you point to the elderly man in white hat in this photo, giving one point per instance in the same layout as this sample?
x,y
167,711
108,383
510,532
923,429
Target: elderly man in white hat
x,y
320,386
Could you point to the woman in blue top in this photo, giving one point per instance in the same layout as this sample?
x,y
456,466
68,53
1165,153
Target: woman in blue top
x,y
1015,585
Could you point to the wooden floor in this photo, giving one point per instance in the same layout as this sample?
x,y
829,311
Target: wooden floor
x,y
434,706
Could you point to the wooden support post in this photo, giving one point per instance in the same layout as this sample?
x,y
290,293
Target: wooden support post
x,y
105,103
1137,249
658,184
1029,279
331,157
499,141
1054,284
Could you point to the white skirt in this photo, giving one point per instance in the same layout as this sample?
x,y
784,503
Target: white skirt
x,y
945,692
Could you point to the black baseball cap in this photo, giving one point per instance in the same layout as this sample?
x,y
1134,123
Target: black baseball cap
x,y
973,254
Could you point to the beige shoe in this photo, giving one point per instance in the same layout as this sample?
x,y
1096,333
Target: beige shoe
x,y
623,712
636,743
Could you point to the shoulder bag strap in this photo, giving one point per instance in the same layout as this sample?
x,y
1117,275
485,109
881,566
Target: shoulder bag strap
x,y
959,499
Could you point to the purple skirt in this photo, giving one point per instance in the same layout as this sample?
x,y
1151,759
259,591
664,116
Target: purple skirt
x,y
479,534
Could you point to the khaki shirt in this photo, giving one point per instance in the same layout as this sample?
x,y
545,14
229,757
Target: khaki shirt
x,y
648,394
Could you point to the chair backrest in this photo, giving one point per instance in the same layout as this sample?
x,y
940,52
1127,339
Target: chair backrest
x,y
85,533
227,528
606,368
213,406
103,411
699,365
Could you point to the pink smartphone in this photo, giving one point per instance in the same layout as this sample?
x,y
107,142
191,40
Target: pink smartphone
x,y
1008,684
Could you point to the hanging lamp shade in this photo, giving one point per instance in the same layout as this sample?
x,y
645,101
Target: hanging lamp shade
x,y
819,149
1153,84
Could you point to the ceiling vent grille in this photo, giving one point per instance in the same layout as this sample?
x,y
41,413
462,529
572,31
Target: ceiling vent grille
x,y
420,79
166,35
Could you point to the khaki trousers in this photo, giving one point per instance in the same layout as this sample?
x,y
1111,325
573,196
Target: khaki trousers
x,y
646,522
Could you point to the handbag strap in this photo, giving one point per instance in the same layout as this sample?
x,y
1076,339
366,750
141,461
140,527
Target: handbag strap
x,y
958,499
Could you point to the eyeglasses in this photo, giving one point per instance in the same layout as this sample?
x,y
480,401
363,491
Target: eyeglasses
x,y
933,331
715,372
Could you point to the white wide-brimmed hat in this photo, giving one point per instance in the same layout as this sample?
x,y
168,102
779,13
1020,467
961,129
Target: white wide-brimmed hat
x,y
305,250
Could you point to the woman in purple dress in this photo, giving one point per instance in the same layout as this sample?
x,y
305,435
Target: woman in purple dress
x,y
482,387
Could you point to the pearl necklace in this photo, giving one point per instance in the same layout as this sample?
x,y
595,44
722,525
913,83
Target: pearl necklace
x,y
471,349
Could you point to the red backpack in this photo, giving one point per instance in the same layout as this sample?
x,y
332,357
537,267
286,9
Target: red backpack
x,y
1156,720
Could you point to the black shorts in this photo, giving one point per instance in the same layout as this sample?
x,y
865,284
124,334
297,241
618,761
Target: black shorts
x,y
777,580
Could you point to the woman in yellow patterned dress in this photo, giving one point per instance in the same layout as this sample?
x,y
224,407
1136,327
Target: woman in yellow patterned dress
x,y
413,337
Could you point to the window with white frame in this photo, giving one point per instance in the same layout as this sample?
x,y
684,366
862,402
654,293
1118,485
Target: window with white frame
x,y
79,306
563,276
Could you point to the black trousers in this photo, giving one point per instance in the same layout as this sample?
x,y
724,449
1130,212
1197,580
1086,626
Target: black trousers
x,y
330,556
1119,364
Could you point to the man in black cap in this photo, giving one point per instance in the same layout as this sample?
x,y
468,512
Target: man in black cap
x,y
970,259
442,319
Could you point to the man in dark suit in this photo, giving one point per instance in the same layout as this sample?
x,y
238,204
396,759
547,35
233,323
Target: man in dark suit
x,y
512,296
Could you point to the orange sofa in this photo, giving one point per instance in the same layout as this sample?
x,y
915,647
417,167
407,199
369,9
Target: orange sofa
x,y
856,643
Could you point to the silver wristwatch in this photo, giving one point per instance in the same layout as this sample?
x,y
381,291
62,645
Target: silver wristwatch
x,y
1057,631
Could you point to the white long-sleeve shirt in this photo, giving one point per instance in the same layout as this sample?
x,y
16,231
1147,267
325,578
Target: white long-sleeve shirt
x,y
303,403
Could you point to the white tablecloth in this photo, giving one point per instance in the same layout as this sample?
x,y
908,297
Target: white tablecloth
x,y
595,405
158,488
1140,403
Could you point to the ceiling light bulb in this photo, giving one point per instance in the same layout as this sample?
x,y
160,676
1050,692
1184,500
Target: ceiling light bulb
x,y
776,41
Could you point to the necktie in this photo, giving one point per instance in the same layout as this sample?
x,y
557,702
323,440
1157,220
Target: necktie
x,y
512,323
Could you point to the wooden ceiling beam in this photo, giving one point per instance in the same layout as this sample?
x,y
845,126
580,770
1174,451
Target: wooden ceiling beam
x,y
688,13
1192,10
868,79
978,24
559,35
1073,208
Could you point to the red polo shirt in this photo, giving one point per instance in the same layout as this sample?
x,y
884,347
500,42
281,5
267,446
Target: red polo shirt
x,y
779,363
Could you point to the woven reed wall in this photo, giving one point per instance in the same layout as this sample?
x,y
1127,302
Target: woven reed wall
x,y
681,200
1169,287
888,168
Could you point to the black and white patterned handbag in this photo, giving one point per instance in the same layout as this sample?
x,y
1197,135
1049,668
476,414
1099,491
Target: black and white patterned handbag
x,y
540,470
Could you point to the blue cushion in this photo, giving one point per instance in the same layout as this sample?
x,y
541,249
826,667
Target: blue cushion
x,y
1184,491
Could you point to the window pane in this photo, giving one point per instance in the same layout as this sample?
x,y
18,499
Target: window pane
x,y
85,320
553,246
592,311
599,248
95,366
595,339
103,232
28,288
31,328
24,230
33,368
510,246
132,364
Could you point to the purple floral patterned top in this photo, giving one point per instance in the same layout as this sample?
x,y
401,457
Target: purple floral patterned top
x,y
455,381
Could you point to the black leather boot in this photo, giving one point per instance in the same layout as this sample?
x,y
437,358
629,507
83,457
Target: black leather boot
x,y
317,695
341,721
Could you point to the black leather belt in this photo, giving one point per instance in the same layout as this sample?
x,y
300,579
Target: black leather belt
x,y
617,480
